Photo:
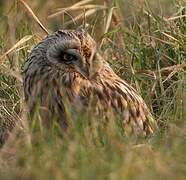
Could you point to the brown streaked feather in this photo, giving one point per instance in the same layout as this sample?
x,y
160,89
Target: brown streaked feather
x,y
115,92
49,81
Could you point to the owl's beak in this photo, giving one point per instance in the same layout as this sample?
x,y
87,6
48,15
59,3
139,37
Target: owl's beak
x,y
85,72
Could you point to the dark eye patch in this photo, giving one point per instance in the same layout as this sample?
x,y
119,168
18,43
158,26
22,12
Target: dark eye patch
x,y
66,57
69,57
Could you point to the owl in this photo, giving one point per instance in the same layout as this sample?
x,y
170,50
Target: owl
x,y
67,65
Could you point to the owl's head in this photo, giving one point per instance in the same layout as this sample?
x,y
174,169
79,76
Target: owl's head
x,y
73,51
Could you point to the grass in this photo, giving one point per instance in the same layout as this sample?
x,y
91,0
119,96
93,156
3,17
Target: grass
x,y
145,43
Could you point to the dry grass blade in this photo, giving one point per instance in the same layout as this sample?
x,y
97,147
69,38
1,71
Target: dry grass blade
x,y
37,38
82,15
168,70
169,36
56,14
163,41
34,16
170,75
65,9
109,19
149,73
23,47
89,6
82,2
176,17
18,44
75,8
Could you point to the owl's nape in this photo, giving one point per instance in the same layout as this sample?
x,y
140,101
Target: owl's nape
x,y
66,65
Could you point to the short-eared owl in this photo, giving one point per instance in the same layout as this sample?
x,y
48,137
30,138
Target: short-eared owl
x,y
67,64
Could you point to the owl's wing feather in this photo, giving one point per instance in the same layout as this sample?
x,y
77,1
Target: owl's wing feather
x,y
113,92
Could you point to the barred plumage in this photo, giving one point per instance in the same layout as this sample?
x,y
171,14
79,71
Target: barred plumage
x,y
67,63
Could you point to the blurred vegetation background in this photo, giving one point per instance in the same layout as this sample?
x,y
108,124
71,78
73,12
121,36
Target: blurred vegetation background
x,y
145,43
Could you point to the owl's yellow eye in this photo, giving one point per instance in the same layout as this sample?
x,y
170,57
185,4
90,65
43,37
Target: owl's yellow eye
x,y
69,57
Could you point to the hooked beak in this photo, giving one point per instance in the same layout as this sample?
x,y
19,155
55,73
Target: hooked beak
x,y
85,72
